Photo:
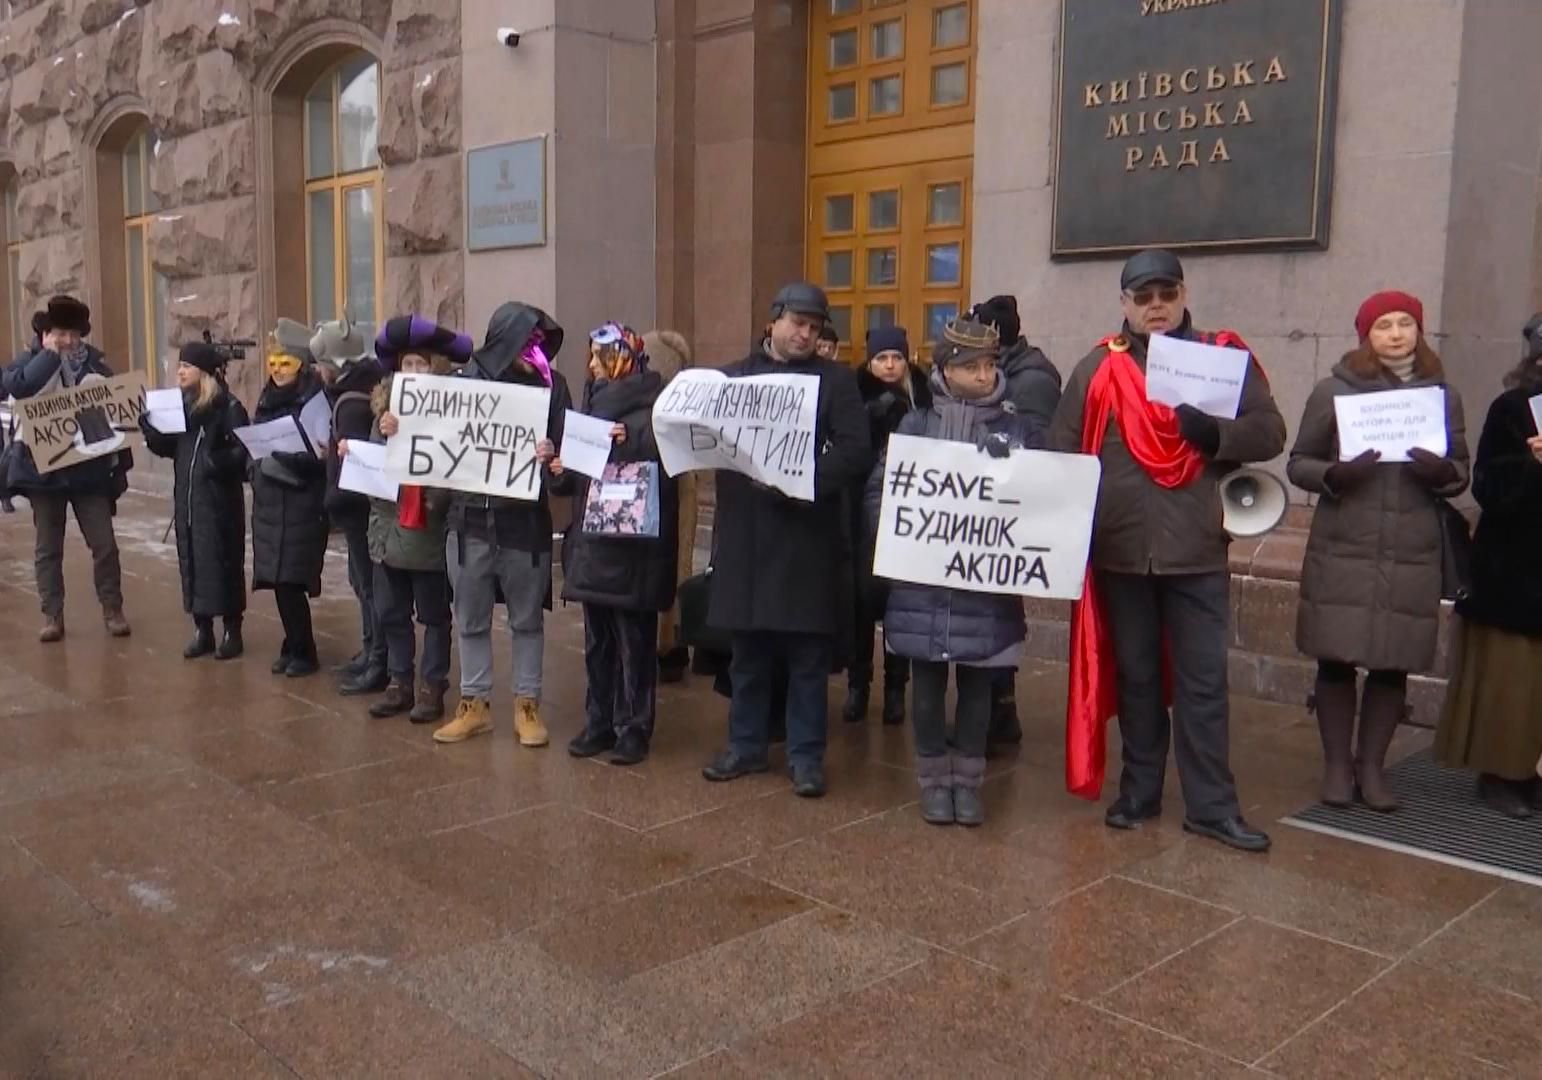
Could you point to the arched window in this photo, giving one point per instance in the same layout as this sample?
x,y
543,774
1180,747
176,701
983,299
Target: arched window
x,y
17,328
145,298
344,233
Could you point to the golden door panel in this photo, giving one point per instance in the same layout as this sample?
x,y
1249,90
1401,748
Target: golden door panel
x,y
890,246
891,139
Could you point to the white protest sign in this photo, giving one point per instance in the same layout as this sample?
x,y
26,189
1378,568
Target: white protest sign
x,y
467,435
1536,412
281,435
80,423
955,517
164,410
759,425
316,420
586,444
1393,422
364,471
1208,377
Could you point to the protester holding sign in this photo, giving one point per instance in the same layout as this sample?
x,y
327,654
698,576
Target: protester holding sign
x,y
1033,388
979,633
1159,586
338,346
891,387
504,543
407,535
618,556
60,359
208,503
289,518
777,583
1491,722
1371,583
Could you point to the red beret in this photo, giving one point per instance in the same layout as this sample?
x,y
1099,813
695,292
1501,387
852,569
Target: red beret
x,y
1384,303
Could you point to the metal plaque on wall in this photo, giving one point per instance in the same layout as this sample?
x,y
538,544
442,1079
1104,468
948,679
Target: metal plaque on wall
x,y
506,195
1194,124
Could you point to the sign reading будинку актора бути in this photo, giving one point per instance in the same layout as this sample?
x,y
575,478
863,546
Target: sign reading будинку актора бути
x,y
1194,124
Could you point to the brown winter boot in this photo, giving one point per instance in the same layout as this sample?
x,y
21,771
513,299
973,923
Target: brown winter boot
x,y
430,706
117,625
53,629
396,700
527,722
1381,710
473,716
1334,703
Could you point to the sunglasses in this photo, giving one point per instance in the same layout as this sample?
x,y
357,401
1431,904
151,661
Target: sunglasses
x,y
1168,294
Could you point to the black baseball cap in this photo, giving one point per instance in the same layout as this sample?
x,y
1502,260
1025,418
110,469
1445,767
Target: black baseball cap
x,y
1145,267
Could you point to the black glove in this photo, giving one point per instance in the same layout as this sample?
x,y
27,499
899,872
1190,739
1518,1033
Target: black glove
x,y
998,445
1429,469
1348,475
1199,429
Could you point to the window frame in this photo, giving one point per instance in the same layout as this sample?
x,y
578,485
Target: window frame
x,y
147,306
340,185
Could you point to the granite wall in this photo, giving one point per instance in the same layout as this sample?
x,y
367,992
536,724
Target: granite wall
x,y
77,75
1435,191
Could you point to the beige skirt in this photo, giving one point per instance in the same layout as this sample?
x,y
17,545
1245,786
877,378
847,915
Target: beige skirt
x,y
1492,721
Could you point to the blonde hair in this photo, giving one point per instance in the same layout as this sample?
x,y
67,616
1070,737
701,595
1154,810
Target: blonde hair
x,y
208,390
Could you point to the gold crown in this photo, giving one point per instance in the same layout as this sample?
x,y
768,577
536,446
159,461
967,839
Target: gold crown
x,y
972,335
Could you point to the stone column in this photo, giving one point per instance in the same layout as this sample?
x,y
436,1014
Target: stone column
x,y
751,85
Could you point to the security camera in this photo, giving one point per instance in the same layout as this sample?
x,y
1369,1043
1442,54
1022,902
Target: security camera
x,y
507,35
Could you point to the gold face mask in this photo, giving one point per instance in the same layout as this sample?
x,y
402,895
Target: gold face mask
x,y
282,365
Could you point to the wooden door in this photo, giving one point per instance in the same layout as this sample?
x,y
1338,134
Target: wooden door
x,y
891,139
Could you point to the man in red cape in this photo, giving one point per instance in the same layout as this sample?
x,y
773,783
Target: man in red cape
x,y
1152,626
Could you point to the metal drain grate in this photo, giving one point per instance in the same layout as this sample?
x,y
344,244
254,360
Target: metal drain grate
x,y
1441,819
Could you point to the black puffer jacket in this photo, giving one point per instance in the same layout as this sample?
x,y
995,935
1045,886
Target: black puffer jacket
x,y
289,520
30,374
1033,383
631,573
781,564
352,418
209,505
924,622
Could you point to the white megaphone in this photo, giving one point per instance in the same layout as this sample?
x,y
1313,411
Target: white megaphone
x,y
1252,502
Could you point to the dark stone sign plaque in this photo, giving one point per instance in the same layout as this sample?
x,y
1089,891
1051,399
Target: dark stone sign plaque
x,y
1194,124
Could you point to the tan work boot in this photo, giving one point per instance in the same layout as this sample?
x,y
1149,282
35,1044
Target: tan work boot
x,y
53,629
527,722
473,716
117,625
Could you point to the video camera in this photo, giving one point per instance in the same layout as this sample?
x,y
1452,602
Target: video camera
x,y
232,349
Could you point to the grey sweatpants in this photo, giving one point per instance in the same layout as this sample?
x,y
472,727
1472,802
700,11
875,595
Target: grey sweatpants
x,y
475,565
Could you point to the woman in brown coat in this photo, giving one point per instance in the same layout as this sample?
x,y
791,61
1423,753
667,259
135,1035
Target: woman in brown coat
x,y
1371,583
1493,716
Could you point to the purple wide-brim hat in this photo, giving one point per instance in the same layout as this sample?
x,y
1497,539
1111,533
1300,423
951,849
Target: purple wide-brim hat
x,y
414,333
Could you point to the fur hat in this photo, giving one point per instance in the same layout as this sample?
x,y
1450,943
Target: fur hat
x,y
1385,303
63,313
292,339
339,343
668,351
